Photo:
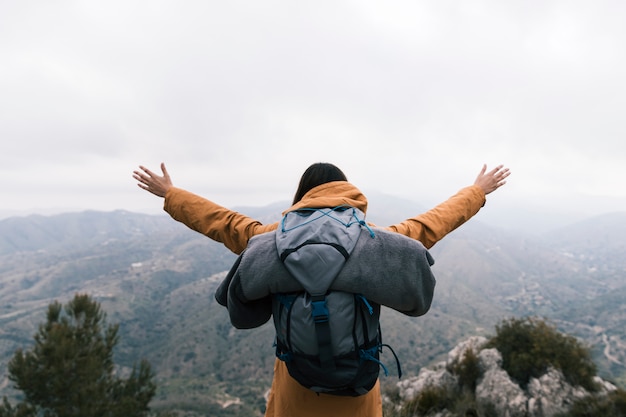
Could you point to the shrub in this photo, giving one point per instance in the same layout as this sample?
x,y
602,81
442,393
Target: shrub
x,y
529,346
433,400
430,400
467,370
611,405
467,406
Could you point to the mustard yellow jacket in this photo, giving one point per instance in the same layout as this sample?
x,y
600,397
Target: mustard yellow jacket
x,y
287,397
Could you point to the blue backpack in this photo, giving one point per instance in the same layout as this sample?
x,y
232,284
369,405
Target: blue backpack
x,y
329,340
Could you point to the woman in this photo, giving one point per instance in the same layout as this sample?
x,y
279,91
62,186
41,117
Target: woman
x,y
322,185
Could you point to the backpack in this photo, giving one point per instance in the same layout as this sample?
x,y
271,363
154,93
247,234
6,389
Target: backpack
x,y
329,340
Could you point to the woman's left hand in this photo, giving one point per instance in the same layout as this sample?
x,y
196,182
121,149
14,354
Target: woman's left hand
x,y
492,180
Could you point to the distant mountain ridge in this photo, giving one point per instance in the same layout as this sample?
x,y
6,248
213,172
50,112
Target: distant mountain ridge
x,y
72,230
157,278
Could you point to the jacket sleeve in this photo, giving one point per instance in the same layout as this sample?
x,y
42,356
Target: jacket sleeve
x,y
430,227
223,225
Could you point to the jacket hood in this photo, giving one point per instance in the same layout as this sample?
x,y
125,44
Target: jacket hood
x,y
332,194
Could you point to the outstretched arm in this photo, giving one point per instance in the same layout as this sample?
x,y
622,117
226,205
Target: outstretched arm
x,y
204,216
432,226
151,182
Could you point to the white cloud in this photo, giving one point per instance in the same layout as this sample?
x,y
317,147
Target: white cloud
x,y
239,97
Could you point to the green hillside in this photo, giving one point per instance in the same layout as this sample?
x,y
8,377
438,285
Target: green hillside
x,y
157,279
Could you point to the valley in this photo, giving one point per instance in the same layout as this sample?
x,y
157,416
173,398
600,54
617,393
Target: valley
x,y
157,279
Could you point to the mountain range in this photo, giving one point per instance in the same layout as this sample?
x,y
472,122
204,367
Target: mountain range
x,y
157,279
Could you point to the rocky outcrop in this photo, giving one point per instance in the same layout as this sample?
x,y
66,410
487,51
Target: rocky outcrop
x,y
546,396
496,387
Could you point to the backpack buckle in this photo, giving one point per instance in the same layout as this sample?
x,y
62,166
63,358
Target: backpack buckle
x,y
319,310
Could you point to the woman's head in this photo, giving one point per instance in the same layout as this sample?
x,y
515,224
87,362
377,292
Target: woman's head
x,y
317,174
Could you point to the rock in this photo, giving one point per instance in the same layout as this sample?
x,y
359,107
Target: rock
x,y
458,352
489,359
436,377
545,396
605,386
551,394
497,389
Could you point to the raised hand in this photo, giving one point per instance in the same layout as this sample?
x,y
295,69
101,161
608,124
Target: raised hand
x,y
492,180
151,182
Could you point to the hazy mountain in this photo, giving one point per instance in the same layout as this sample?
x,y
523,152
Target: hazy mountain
x,y
157,278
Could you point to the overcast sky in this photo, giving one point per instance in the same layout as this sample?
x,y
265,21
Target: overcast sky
x,y
409,98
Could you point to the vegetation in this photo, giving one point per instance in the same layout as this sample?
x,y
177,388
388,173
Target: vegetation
x,y
429,400
467,370
70,371
530,346
611,405
459,400
156,278
435,400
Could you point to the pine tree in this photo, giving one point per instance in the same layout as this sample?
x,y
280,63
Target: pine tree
x,y
70,370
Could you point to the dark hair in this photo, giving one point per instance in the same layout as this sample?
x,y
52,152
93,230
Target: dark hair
x,y
317,174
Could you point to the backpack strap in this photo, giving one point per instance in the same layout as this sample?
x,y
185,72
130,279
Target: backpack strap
x,y
319,311
371,354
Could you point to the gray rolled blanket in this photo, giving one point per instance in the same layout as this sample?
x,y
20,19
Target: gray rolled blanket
x,y
389,269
